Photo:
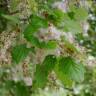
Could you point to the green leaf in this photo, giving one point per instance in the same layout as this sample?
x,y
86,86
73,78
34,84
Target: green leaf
x,y
34,41
11,18
21,90
49,62
70,68
81,14
73,26
65,21
42,71
49,45
19,53
63,78
29,30
71,14
34,25
40,78
56,16
46,45
36,22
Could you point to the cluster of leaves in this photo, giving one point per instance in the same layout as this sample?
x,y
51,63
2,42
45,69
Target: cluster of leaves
x,y
67,69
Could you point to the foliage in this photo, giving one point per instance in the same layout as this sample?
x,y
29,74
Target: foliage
x,y
66,66
19,53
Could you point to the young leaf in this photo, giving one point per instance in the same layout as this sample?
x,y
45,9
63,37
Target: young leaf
x,y
19,53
